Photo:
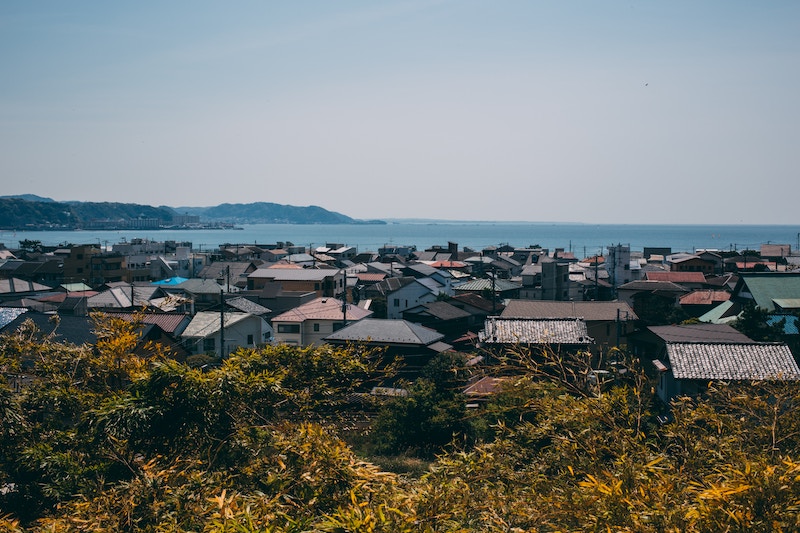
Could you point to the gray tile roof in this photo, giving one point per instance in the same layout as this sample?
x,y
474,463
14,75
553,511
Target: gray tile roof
x,y
500,330
386,331
248,306
479,285
732,361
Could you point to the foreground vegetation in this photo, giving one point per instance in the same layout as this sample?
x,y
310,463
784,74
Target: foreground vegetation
x,y
104,440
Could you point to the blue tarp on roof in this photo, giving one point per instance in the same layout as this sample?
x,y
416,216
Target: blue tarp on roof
x,y
177,280
791,325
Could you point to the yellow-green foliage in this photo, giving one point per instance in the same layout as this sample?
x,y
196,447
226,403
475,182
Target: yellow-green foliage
x,y
102,441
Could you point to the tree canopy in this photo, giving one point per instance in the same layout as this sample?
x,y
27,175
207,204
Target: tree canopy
x,y
95,438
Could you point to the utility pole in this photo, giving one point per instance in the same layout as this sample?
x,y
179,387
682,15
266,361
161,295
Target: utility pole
x,y
221,324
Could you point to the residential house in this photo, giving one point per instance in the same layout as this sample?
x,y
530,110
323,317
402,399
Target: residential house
x,y
688,367
413,294
651,300
232,273
501,288
204,293
245,305
415,345
557,334
310,323
324,282
763,288
650,342
699,302
442,316
691,280
209,329
691,263
607,323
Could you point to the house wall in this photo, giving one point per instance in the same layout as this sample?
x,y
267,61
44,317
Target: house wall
x,y
405,298
249,332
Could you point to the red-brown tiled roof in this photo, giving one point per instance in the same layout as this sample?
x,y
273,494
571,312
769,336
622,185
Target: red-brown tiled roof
x,y
676,277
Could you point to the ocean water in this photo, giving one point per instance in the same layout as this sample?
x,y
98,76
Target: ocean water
x,y
582,239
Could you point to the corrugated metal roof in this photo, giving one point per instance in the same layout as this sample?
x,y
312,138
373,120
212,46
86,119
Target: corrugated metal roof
x,y
499,330
732,361
766,287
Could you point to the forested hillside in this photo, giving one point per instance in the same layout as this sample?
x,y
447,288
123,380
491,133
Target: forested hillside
x,y
18,213
274,440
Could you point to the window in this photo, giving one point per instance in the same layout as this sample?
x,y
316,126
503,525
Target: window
x,y
288,328
250,340
396,302
209,345
316,327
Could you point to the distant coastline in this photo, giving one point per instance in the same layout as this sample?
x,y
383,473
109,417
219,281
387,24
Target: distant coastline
x,y
582,239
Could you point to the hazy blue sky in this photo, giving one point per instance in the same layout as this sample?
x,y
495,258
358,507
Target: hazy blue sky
x,y
591,111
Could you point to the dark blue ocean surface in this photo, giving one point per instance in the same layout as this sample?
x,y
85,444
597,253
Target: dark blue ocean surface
x,y
582,239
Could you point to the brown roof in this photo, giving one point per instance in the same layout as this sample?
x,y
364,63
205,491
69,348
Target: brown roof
x,y
705,297
371,276
322,309
486,386
699,333
676,277
589,311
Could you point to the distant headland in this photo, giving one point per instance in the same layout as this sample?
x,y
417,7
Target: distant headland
x,y
32,212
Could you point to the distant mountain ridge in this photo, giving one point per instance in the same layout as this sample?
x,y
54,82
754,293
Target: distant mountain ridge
x,y
267,213
35,212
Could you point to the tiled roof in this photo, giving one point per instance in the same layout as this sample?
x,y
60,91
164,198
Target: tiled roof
x,y
322,309
169,322
291,274
444,311
589,311
248,306
8,314
732,361
499,330
478,285
486,386
476,301
654,286
386,331
676,277
699,333
206,323
705,297
371,277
